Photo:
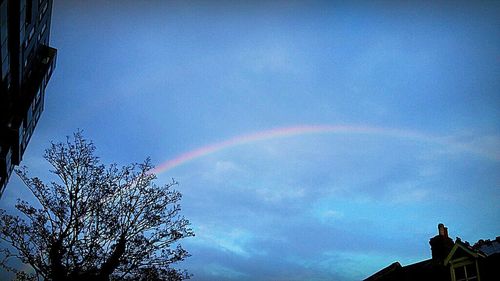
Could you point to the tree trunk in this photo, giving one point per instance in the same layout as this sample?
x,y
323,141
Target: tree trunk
x,y
113,261
57,270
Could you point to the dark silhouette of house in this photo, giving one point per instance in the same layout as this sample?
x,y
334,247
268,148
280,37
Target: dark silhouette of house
x,y
451,261
27,63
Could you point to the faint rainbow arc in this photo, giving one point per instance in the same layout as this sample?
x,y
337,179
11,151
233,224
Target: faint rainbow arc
x,y
309,129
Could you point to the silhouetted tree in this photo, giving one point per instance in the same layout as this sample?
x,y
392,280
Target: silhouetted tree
x,y
97,222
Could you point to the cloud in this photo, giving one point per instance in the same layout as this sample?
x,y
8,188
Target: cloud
x,y
347,264
484,145
221,271
278,193
329,215
408,193
324,202
232,240
223,169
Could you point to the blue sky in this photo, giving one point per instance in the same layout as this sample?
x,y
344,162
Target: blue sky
x,y
162,78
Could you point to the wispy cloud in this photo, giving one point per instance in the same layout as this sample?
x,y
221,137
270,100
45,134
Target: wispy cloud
x,y
232,240
485,145
279,193
218,270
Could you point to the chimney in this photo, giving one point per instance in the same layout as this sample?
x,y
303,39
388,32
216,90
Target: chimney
x,y
441,244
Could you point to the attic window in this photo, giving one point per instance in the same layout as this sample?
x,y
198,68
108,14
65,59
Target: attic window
x,y
466,272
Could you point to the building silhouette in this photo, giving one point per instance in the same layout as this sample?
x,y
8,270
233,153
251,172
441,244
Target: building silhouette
x,y
27,63
451,261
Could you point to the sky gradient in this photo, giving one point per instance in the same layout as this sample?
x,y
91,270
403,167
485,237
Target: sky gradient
x,y
312,140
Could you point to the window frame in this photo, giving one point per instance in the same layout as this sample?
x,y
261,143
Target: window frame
x,y
463,266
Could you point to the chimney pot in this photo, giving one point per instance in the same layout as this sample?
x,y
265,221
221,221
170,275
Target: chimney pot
x,y
441,229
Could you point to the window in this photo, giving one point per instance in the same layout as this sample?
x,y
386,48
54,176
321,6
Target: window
x,y
32,31
30,35
3,24
43,10
3,32
3,16
38,95
8,163
5,67
29,116
466,272
42,31
4,51
28,58
33,107
37,115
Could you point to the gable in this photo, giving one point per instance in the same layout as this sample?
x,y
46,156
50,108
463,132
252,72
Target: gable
x,y
460,252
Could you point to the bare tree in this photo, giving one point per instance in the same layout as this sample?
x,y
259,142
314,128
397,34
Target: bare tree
x,y
97,222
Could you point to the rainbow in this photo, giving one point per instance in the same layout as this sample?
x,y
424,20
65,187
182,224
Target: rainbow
x,y
312,129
